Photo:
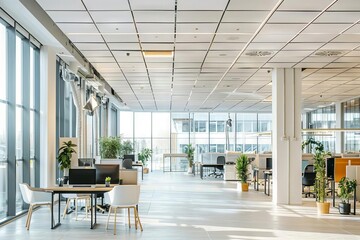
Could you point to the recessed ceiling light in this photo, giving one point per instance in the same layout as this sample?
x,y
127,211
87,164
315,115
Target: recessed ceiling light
x,y
158,53
328,53
259,53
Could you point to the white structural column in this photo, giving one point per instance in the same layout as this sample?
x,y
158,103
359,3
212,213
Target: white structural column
x,y
47,116
286,135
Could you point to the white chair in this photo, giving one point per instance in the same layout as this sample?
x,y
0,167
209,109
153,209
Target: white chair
x,y
124,196
76,198
34,197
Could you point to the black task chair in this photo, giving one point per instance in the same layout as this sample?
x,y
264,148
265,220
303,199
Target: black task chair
x,y
127,164
308,179
220,160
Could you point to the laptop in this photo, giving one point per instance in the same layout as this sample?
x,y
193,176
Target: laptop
x,y
82,177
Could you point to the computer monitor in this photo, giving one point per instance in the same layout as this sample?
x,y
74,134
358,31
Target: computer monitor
x,y
330,167
268,163
83,176
85,162
107,170
130,156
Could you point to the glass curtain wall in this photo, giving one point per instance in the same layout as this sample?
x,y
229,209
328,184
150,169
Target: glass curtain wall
x,y
3,124
351,111
165,132
19,79
322,118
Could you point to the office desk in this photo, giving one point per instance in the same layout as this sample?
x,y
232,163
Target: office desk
x,y
172,155
76,190
142,169
267,175
207,165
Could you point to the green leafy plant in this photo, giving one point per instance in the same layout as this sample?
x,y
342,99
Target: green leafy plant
x,y
107,179
65,153
127,148
110,147
320,167
189,150
144,155
347,188
241,167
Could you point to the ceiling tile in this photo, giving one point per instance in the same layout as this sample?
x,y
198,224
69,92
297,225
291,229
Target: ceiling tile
x,y
106,5
62,5
154,16
78,28
198,16
202,4
274,28
348,5
305,5
292,17
314,37
237,28
245,16
111,16
194,37
70,16
252,5
155,28
152,5
116,28
326,28
232,37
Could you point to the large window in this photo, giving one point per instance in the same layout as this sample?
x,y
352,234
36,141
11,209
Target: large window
x,y
3,124
351,111
322,118
19,78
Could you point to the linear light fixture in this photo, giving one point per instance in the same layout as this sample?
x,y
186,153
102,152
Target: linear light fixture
x,y
169,54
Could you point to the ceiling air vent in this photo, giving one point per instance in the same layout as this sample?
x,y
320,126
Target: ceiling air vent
x,y
328,53
259,53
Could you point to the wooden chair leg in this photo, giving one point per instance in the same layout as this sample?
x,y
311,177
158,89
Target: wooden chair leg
x,y
28,225
138,218
28,217
135,218
115,222
66,207
129,217
108,218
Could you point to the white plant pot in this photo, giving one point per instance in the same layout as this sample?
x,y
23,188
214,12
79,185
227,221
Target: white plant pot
x,y
190,170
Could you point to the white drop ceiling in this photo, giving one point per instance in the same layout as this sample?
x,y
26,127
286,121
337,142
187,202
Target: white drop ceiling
x,y
210,69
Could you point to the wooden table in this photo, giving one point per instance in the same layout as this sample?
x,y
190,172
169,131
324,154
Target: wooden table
x,y
142,169
172,155
93,191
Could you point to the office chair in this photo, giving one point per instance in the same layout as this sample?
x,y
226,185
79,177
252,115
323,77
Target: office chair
x,y
220,160
34,197
308,179
124,197
127,164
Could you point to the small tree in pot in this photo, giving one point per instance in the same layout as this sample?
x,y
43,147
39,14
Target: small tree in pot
x,y
241,167
189,150
144,157
64,158
320,169
127,148
347,188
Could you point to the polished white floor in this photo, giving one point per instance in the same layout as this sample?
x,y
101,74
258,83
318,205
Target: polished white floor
x,y
177,206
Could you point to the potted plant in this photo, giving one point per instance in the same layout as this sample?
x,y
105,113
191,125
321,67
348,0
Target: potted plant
x,y
107,181
144,157
110,147
347,188
120,181
241,167
126,148
64,158
189,150
320,155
